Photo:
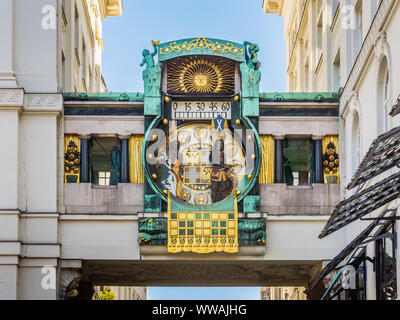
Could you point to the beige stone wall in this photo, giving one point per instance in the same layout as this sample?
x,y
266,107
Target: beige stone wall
x,y
81,45
321,49
369,54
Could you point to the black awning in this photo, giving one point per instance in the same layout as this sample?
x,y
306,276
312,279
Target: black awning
x,y
351,249
396,108
363,203
383,155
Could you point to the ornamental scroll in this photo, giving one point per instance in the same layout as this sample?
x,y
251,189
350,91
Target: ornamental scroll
x,y
219,47
330,159
72,158
203,231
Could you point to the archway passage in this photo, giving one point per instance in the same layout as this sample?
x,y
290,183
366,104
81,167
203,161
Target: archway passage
x,y
192,273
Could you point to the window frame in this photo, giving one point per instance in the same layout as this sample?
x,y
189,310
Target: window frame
x,y
380,263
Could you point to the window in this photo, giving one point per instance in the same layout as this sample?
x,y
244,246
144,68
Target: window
x,y
386,279
355,145
105,161
64,11
307,76
383,98
63,75
357,35
76,28
361,281
297,157
84,62
336,72
319,39
104,178
335,7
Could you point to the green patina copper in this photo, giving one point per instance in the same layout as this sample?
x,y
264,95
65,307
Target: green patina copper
x,y
251,76
225,205
248,184
154,231
202,46
318,97
252,232
263,96
251,204
152,201
104,96
152,83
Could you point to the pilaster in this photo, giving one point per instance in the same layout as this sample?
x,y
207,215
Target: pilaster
x,y
7,71
11,105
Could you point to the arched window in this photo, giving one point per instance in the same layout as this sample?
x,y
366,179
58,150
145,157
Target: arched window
x,y
355,144
383,96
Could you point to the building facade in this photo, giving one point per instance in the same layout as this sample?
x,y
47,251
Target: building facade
x,y
47,47
351,46
282,293
200,180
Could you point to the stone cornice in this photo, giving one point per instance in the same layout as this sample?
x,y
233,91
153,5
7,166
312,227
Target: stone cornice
x,y
373,36
11,98
273,6
43,103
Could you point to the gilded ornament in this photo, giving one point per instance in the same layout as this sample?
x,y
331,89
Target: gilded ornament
x,y
330,160
197,74
154,176
71,162
238,122
167,99
165,121
201,43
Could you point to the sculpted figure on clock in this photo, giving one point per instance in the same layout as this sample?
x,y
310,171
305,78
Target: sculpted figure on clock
x,y
221,183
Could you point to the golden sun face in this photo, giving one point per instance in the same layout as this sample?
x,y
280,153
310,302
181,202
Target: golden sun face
x,y
201,74
201,80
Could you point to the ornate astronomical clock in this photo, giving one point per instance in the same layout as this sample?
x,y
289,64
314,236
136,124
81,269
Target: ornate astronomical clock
x,y
201,153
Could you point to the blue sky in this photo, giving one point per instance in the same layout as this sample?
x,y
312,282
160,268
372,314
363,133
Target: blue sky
x,y
232,293
166,20
125,37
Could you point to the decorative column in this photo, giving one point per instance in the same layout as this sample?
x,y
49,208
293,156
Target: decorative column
x,y
279,159
318,174
7,36
85,169
124,158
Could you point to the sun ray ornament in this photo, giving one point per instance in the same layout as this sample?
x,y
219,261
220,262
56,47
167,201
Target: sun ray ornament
x,y
198,75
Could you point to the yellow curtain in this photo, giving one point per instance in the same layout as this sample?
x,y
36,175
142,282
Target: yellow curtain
x,y
67,139
267,164
136,171
325,142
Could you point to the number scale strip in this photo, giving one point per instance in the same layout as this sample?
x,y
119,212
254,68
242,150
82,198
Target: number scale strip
x,y
201,109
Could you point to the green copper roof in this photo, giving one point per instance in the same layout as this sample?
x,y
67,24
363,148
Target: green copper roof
x,y
264,97
105,96
300,97
201,46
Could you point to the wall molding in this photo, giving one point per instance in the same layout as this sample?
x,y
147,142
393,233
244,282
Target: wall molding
x,y
374,35
11,97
